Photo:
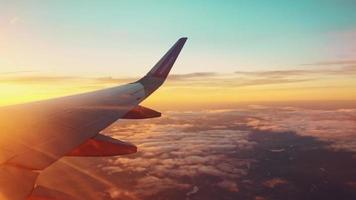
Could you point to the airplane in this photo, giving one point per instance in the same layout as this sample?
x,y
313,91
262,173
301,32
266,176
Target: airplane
x,y
37,134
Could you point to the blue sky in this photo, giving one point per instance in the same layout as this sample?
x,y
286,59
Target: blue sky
x,y
124,38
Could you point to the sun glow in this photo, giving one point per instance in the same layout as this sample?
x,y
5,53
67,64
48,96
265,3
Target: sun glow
x,y
175,94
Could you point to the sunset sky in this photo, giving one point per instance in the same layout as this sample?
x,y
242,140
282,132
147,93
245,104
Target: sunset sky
x,y
238,51
260,104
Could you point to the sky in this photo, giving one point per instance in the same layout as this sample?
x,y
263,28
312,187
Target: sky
x,y
237,51
274,83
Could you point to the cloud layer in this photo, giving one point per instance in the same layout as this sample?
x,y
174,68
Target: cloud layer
x,y
256,152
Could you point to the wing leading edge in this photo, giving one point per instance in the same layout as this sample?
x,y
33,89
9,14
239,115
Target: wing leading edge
x,y
43,132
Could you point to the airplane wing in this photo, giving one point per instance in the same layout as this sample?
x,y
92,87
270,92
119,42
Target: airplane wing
x,y
35,135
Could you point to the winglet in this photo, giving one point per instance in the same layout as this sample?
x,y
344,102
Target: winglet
x,y
164,65
158,74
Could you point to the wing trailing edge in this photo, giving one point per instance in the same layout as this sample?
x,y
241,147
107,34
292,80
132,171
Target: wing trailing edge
x,y
140,112
102,145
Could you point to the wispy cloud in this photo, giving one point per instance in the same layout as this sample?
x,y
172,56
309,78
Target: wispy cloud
x,y
35,79
337,62
15,72
178,77
14,20
238,79
17,77
253,78
344,70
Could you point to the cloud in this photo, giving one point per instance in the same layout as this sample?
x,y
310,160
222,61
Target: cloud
x,y
274,73
345,70
227,153
174,149
274,182
150,185
335,62
178,77
14,20
114,193
267,81
15,72
17,78
257,78
228,185
114,80
36,79
327,125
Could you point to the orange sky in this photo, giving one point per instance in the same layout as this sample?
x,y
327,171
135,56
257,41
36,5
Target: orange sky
x,y
197,89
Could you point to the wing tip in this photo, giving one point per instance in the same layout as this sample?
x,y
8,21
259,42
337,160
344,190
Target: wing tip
x,y
158,74
165,64
183,38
